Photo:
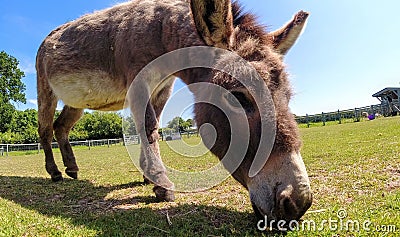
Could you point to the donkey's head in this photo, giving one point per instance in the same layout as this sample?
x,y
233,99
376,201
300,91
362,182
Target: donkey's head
x,y
280,188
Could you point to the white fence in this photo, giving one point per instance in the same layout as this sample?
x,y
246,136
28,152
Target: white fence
x,y
131,139
6,149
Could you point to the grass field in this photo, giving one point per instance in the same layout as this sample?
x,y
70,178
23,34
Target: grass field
x,y
354,170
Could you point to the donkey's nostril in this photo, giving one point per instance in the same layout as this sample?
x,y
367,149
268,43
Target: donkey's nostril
x,y
288,210
292,205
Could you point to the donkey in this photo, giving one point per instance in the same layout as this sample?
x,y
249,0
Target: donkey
x,y
91,62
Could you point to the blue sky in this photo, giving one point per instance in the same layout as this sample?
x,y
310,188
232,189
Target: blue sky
x,y
348,51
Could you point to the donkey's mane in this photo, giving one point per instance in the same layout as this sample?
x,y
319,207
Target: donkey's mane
x,y
248,23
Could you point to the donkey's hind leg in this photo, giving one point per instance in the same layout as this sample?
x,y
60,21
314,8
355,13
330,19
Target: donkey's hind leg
x,y
63,124
47,103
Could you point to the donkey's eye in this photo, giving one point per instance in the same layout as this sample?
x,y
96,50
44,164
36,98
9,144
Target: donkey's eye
x,y
244,101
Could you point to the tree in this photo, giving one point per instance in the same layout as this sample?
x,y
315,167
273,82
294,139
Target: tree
x,y
25,123
178,124
23,120
22,128
6,114
189,123
175,123
11,88
99,125
129,126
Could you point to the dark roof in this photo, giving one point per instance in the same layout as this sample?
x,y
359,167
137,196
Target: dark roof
x,y
387,91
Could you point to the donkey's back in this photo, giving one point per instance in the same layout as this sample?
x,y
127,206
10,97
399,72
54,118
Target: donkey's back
x,y
90,62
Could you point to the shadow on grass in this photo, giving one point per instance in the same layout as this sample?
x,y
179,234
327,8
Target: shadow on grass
x,y
89,205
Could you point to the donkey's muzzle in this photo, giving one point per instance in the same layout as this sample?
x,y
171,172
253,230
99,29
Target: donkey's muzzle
x,y
291,204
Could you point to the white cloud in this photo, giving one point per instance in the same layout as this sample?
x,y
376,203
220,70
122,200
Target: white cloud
x,y
33,101
28,67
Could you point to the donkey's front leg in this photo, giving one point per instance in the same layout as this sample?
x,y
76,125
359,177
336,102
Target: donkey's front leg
x,y
155,172
150,159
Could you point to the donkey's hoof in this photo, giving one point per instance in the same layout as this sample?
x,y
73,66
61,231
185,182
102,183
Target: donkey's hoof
x,y
164,195
72,174
57,178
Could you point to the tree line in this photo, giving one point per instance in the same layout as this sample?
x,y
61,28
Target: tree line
x,y
23,127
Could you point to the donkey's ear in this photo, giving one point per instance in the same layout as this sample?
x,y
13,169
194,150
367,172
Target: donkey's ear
x,y
214,21
284,38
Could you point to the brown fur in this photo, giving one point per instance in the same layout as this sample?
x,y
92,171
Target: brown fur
x,y
284,38
216,26
92,61
253,44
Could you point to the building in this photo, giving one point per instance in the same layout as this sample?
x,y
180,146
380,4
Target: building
x,y
390,102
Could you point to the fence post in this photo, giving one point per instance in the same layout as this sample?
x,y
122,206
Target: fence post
x,y
89,144
38,148
7,150
356,117
108,143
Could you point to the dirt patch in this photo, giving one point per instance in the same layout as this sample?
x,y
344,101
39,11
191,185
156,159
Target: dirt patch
x,y
394,180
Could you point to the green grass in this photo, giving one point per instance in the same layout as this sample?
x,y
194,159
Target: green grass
x,y
330,123
353,167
